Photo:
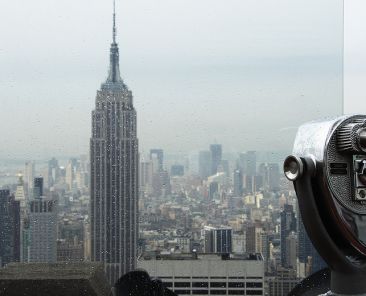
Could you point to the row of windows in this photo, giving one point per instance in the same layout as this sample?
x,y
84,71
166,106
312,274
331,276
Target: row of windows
x,y
218,292
212,277
214,284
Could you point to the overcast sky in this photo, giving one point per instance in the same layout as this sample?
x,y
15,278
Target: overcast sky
x,y
244,73
355,57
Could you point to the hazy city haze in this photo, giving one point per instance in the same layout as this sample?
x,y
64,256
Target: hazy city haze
x,y
242,73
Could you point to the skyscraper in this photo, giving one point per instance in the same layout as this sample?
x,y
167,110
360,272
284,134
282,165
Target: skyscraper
x,y
9,228
159,154
29,172
204,164
24,220
238,183
218,239
38,187
288,225
53,173
253,239
43,230
114,174
306,249
216,157
251,163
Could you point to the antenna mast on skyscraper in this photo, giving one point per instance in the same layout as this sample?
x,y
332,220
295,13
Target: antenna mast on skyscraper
x,y
114,21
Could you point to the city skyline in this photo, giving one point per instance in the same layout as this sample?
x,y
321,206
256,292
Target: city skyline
x,y
231,70
214,91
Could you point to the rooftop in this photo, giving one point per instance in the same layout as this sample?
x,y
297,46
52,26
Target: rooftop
x,y
200,256
28,279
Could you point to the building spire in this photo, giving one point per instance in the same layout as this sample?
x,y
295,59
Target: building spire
x,y
114,80
114,21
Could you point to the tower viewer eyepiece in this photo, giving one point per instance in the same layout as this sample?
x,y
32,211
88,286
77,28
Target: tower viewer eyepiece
x,y
332,195
293,167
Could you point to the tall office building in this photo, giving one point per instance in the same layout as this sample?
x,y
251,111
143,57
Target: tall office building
x,y
53,172
70,173
158,154
145,176
24,220
29,172
9,228
114,174
291,251
204,164
306,251
43,230
238,183
254,239
38,187
274,176
251,163
270,174
213,190
288,225
218,239
177,170
216,157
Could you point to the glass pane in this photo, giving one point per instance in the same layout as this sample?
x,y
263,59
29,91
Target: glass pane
x,y
187,164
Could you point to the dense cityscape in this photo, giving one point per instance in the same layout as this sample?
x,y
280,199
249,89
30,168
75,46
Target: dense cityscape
x,y
215,206
209,223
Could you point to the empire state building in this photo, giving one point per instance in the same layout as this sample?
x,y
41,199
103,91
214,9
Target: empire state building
x,y
114,174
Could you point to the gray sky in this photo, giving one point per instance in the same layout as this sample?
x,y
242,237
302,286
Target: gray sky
x,y
355,57
243,73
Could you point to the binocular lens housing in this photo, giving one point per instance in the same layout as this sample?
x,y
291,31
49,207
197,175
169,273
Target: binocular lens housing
x,y
293,168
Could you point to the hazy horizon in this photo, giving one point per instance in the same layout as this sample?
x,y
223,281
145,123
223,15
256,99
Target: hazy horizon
x,y
241,73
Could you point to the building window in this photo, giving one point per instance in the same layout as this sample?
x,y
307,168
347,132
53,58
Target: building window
x,y
218,285
182,284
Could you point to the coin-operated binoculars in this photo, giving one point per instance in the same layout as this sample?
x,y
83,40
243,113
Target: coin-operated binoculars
x,y
328,170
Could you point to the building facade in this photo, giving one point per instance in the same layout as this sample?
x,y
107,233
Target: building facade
x,y
204,164
307,254
218,239
43,230
216,157
114,174
288,225
207,274
284,281
9,228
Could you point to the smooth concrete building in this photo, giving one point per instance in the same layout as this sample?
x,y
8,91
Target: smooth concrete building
x,y
207,274
114,174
